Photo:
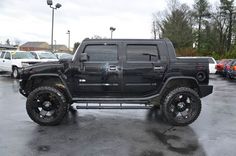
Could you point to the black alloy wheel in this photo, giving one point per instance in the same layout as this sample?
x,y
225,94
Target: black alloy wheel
x,y
181,106
46,106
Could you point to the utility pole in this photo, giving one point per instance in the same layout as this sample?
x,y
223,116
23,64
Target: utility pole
x,y
68,32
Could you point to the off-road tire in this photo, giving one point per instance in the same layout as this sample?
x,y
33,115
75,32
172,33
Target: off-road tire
x,y
61,104
168,102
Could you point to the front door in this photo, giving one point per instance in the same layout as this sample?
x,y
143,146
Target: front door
x,y
7,62
143,70
101,74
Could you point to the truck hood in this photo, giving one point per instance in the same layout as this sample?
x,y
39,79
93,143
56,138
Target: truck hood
x,y
48,60
26,60
43,67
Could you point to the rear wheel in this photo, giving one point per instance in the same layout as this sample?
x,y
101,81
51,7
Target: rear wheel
x,y
181,106
46,106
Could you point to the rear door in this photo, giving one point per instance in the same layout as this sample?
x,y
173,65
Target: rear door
x,y
143,69
7,62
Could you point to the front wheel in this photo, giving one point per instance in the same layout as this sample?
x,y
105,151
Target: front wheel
x,y
46,106
181,106
15,72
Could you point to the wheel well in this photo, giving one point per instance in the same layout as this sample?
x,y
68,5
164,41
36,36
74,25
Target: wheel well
x,y
13,67
171,85
51,81
175,83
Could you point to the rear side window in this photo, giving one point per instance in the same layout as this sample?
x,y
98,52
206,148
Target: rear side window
x,y
211,61
143,53
8,56
2,54
101,53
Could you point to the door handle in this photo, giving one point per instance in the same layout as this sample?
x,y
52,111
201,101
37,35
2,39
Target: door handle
x,y
113,68
3,60
158,67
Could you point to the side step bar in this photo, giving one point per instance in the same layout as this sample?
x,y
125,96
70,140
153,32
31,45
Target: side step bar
x,y
112,106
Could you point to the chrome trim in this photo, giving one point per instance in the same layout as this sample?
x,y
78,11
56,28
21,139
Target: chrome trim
x,y
99,84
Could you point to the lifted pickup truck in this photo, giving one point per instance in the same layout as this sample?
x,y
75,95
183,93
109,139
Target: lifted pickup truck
x,y
118,71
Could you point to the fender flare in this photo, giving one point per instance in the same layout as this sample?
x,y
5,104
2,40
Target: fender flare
x,y
178,77
61,77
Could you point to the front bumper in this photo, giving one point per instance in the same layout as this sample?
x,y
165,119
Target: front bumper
x,y
21,90
205,90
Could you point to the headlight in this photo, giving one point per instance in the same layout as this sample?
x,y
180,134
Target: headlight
x,y
24,64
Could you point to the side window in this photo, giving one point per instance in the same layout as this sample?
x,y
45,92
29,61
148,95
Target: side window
x,y
34,54
211,61
234,64
8,56
101,53
143,53
2,54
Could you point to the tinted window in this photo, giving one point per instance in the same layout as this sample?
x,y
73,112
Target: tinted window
x,y
8,56
2,54
101,52
146,53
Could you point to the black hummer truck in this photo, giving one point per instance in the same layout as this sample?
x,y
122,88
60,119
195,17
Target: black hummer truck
x,y
117,71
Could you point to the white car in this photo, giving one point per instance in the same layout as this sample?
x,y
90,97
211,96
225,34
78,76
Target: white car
x,y
14,61
45,56
64,55
212,63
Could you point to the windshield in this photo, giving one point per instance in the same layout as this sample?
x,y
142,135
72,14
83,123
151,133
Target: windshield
x,y
47,55
22,55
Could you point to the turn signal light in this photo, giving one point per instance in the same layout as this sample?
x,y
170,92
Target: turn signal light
x,y
234,68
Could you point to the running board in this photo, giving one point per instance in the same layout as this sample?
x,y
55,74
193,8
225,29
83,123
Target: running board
x,y
112,106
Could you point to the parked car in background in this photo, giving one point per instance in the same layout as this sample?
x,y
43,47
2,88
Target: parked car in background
x,y
227,68
64,56
14,61
232,70
212,63
45,56
220,66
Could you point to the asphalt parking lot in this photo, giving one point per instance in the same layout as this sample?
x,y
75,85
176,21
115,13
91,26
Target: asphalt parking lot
x,y
119,132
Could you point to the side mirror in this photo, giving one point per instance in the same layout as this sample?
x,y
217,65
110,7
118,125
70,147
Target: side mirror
x,y
49,2
83,57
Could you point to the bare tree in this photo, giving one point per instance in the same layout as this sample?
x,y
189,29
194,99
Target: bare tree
x,y
8,42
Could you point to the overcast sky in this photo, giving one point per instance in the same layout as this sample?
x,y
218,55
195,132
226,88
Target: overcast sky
x,y
30,20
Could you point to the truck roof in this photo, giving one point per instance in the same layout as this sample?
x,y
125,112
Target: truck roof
x,y
125,40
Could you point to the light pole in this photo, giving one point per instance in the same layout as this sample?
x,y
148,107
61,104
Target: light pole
x,y
68,32
112,29
55,45
57,6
